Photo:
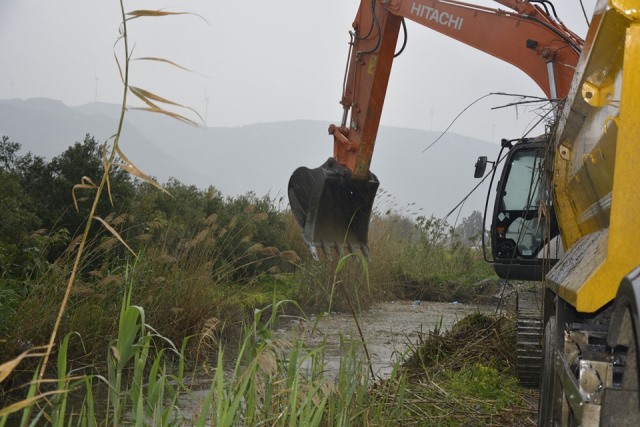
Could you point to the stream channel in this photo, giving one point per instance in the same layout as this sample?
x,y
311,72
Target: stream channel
x,y
389,329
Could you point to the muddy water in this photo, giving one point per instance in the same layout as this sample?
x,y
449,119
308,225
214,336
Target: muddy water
x,y
389,329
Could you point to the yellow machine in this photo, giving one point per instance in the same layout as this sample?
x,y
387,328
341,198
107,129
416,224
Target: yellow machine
x,y
579,182
592,333
567,202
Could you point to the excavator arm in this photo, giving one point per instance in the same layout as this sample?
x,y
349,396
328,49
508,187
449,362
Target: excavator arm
x,y
525,37
333,203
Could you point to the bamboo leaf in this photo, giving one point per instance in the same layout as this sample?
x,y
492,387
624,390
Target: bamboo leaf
x,y
106,168
138,93
170,114
85,183
166,61
142,13
142,93
119,67
147,96
133,170
27,403
88,181
147,12
115,234
128,166
7,367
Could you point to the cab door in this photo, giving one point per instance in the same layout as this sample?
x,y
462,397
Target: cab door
x,y
524,230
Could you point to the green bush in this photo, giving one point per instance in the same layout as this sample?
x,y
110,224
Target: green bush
x,y
493,390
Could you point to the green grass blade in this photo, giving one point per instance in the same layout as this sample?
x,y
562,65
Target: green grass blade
x,y
207,403
91,410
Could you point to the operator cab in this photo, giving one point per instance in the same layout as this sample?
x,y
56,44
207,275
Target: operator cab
x,y
524,230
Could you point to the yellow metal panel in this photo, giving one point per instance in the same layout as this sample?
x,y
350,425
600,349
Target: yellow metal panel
x,y
628,8
585,138
565,204
597,166
623,251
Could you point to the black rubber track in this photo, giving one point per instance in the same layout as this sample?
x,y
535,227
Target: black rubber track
x,y
529,336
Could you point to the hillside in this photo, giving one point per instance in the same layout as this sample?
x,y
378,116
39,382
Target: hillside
x,y
258,157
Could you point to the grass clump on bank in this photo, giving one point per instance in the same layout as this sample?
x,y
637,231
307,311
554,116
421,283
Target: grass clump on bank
x,y
477,338
466,376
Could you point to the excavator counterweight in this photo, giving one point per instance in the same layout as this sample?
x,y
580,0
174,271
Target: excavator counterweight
x,y
332,208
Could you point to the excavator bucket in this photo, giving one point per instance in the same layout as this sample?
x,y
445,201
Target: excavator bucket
x,y
332,208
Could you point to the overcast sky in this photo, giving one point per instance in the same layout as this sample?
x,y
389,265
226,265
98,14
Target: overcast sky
x,y
256,61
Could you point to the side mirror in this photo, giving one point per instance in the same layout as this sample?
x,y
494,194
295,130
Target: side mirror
x,y
481,166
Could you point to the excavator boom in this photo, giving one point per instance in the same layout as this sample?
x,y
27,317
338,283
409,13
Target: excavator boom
x,y
333,203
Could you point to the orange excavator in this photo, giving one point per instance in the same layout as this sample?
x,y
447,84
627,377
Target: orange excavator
x,y
333,203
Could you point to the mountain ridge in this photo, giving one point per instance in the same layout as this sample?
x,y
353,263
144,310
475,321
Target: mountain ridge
x,y
257,157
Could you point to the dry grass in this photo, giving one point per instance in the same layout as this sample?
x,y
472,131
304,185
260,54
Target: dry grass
x,y
466,376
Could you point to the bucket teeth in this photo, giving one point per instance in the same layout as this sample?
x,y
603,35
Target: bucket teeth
x,y
341,249
365,251
327,250
332,208
314,252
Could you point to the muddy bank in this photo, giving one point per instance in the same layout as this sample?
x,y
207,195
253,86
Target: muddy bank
x,y
389,329
485,292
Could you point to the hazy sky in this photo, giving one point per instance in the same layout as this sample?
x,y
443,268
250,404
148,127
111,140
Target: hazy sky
x,y
256,61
